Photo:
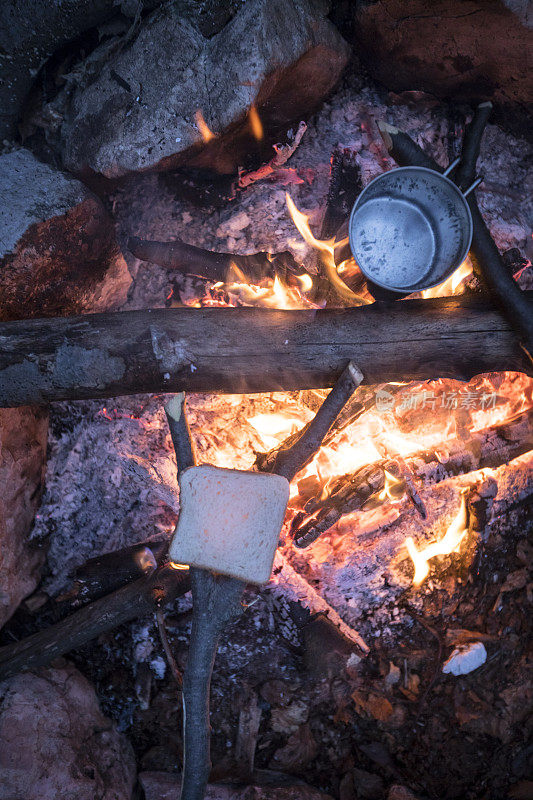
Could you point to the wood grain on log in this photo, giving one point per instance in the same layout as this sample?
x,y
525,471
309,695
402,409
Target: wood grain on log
x,y
134,600
250,349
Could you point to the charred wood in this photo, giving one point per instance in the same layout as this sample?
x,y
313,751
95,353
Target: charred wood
x,y
213,266
491,447
134,600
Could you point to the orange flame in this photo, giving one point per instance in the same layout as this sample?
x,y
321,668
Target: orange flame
x,y
255,123
449,543
451,285
203,127
326,249
175,565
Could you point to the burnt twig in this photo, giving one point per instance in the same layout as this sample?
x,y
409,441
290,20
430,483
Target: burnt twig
x,y
171,661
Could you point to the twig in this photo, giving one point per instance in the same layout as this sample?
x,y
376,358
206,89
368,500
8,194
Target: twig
x,y
503,288
160,620
438,659
282,154
216,601
288,461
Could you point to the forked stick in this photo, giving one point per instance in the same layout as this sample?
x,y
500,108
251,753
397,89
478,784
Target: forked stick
x,y
216,602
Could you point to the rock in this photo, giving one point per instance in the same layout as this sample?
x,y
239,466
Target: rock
x,y
56,743
465,659
166,786
477,49
367,785
58,252
282,55
397,792
23,433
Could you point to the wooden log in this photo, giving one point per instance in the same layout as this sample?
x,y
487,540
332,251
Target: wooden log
x,y
250,349
131,601
491,447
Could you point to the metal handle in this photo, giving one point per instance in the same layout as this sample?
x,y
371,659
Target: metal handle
x,y
473,186
452,166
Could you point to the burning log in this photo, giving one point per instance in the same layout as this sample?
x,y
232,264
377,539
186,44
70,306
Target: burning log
x,y
491,447
503,288
250,349
213,266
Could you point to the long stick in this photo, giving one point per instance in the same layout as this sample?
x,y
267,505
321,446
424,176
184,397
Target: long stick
x,y
216,601
250,349
134,600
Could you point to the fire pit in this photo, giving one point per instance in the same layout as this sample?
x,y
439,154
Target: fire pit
x,y
386,657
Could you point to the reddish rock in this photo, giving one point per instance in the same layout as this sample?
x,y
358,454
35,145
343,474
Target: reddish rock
x,y
462,50
58,252
23,434
56,743
284,56
164,786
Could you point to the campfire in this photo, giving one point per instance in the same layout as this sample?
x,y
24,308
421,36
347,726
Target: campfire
x,y
283,365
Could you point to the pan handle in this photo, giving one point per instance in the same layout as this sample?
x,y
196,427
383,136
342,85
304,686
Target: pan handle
x,y
473,185
452,166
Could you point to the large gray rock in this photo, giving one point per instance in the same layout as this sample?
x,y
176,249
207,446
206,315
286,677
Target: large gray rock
x,y
56,743
23,433
282,55
58,252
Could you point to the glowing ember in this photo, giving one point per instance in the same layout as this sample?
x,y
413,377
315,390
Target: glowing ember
x,y
255,123
450,543
175,565
203,127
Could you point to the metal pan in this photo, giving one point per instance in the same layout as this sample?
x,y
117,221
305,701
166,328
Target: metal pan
x,y
411,228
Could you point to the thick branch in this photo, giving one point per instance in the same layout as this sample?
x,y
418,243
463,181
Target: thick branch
x,y
250,349
213,266
136,599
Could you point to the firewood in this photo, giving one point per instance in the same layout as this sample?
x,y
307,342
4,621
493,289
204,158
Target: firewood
x,y
134,600
250,349
491,447
213,266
